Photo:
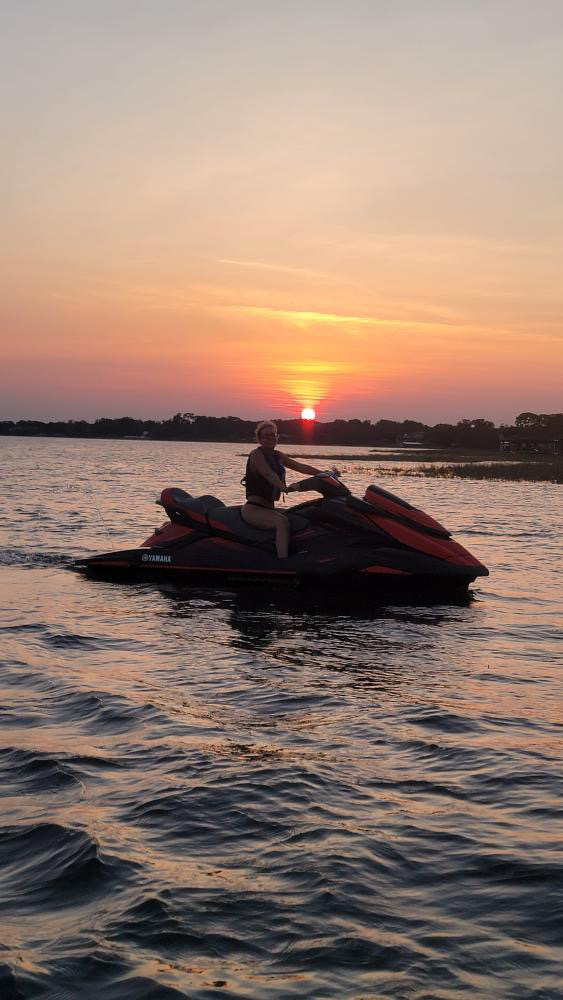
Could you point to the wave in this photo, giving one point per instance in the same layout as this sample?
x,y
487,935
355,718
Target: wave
x,y
31,771
33,560
46,865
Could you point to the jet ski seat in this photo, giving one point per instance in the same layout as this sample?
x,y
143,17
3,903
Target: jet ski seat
x,y
208,512
229,520
182,506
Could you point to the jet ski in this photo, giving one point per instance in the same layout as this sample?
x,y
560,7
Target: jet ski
x,y
378,542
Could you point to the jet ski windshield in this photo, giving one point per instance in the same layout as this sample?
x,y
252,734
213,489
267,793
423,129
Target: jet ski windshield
x,y
325,483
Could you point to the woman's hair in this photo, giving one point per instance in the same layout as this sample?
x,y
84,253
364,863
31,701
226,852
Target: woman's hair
x,y
260,427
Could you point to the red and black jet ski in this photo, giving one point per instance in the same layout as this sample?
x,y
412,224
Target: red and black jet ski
x,y
339,540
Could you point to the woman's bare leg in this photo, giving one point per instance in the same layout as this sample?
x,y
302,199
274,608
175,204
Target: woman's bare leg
x,y
265,517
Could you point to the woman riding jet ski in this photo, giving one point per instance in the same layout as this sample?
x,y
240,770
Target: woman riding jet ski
x,y
264,481
339,541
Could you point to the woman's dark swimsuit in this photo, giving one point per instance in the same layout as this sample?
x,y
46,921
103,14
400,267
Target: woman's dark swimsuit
x,y
257,485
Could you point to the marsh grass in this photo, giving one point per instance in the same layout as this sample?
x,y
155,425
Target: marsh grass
x,y
459,465
535,472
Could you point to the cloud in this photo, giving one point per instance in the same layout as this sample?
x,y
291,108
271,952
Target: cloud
x,y
299,317
275,267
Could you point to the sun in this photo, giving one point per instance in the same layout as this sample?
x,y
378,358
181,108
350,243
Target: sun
x,y
308,413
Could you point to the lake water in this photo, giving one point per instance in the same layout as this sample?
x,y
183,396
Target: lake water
x,y
211,794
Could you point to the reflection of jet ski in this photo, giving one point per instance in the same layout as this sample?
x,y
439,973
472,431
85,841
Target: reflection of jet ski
x,y
338,541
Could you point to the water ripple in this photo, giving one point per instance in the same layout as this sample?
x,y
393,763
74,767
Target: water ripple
x,y
255,795
44,866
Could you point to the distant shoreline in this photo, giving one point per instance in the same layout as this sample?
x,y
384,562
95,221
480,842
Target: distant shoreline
x,y
531,437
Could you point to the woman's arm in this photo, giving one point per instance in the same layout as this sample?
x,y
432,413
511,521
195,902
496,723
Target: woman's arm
x,y
290,463
261,466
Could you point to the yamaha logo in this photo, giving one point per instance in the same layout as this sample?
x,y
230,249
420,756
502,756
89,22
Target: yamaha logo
x,y
152,558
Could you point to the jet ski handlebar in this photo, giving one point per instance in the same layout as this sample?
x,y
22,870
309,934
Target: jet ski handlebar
x,y
326,483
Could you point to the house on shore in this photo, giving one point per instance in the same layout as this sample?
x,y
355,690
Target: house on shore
x,y
532,442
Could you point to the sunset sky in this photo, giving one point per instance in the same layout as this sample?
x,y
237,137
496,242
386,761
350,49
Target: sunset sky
x,y
246,206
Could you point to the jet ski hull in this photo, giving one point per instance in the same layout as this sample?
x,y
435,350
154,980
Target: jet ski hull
x,y
134,566
378,585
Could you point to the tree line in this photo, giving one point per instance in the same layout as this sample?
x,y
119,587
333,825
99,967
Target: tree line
x,y
475,433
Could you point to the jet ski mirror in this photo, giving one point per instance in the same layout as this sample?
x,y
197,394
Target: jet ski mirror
x,y
325,483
